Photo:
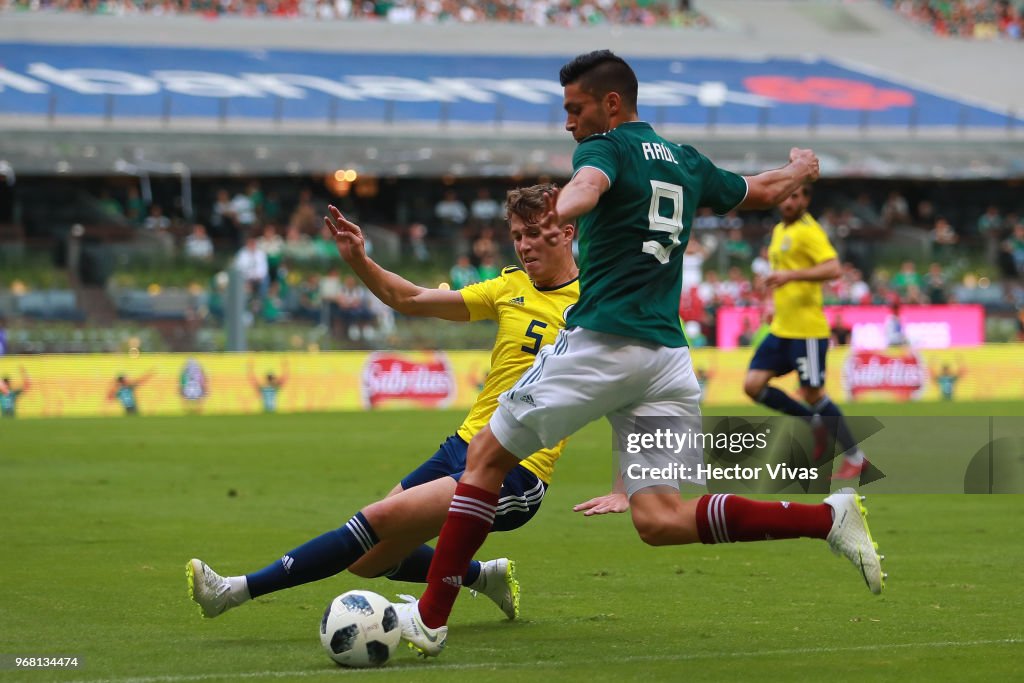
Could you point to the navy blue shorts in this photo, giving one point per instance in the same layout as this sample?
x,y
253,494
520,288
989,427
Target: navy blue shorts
x,y
521,493
782,356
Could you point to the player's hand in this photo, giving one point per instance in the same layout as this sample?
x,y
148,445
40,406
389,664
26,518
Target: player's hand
x,y
347,235
807,159
549,223
603,505
776,279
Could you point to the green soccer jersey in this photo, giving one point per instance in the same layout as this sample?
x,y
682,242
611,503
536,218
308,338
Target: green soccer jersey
x,y
632,242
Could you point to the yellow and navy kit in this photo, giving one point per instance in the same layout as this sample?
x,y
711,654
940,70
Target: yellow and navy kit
x,y
798,304
528,317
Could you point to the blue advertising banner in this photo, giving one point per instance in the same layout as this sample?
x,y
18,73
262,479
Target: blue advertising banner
x,y
140,81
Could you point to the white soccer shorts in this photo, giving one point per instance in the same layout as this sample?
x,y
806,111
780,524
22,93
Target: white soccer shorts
x,y
586,375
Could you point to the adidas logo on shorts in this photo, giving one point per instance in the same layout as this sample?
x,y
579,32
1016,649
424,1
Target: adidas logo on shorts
x,y
517,300
526,398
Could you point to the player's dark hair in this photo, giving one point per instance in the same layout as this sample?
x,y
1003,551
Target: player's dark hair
x,y
528,202
601,72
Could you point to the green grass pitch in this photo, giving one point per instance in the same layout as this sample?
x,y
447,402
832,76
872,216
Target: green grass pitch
x,y
100,516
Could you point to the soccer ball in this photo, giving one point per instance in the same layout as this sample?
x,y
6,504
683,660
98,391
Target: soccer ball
x,y
360,629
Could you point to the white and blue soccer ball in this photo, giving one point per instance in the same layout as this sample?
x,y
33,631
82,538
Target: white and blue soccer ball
x,y
360,629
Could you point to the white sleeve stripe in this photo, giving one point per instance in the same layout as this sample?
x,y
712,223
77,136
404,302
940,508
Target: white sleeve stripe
x,y
596,169
746,191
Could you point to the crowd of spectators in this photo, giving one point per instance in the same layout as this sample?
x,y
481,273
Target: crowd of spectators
x,y
566,13
723,267
978,19
292,271
336,301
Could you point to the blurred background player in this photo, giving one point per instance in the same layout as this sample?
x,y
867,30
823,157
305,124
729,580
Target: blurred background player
x,y
946,379
387,537
269,389
802,259
9,395
124,390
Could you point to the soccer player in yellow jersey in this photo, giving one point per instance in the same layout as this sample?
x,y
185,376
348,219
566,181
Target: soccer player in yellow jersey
x,y
801,259
388,537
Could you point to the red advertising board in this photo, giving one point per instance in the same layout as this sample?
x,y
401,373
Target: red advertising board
x,y
393,377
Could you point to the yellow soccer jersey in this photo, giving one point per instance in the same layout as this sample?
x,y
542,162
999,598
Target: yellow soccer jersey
x,y
798,305
528,318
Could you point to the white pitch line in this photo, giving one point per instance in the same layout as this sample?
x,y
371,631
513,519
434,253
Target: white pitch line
x,y
554,664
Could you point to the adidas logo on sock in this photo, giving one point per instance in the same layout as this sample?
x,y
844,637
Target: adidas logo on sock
x,y
287,561
517,300
453,581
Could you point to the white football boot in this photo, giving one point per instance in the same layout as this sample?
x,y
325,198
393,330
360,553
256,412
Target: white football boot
x,y
214,593
498,581
851,537
424,641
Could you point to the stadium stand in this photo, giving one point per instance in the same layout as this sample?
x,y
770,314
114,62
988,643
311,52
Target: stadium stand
x,y
914,174
533,12
981,19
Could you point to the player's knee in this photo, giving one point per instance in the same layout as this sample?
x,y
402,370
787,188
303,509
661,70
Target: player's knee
x,y
753,386
657,527
654,532
489,464
381,514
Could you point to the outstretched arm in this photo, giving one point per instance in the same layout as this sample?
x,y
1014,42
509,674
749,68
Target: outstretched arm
x,y
579,196
768,189
284,373
145,378
819,272
613,502
391,288
253,379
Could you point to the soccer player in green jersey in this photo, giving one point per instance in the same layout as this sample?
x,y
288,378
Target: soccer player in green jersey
x,y
9,395
268,390
623,354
